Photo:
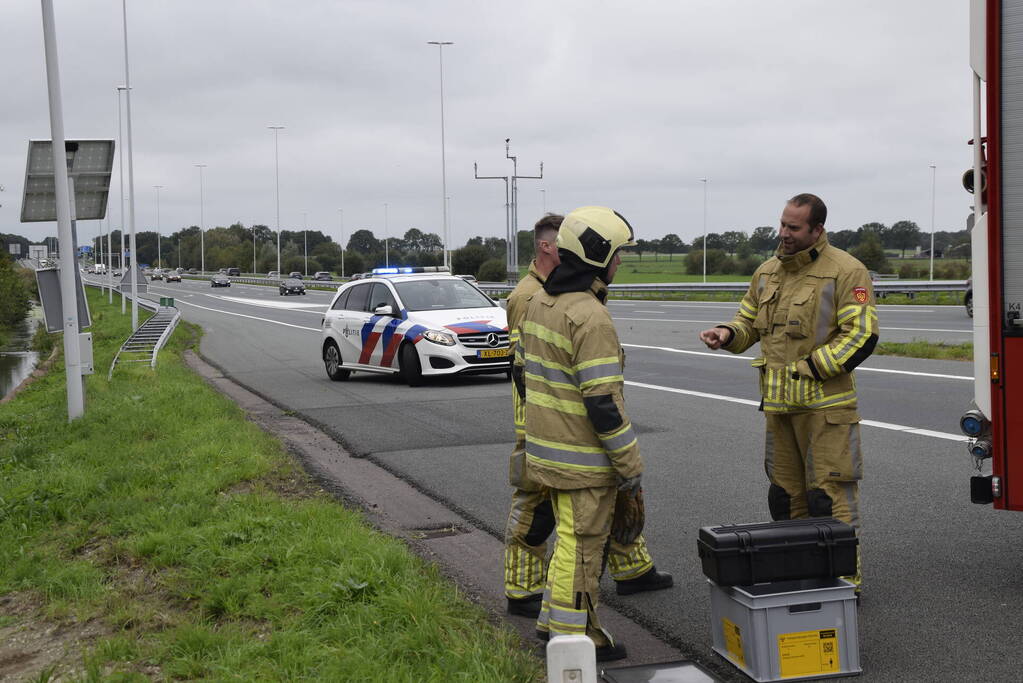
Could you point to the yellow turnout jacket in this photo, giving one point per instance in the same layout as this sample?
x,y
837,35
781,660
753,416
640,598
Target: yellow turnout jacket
x,y
577,432
813,313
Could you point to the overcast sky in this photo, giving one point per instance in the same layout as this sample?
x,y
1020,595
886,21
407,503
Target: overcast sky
x,y
627,104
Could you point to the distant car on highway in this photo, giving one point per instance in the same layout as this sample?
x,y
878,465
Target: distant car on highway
x,y
414,324
172,277
291,286
322,275
193,271
273,275
219,280
234,272
295,274
179,269
968,299
156,275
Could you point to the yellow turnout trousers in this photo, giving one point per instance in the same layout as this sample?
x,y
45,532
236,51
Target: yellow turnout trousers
x,y
814,463
530,524
571,594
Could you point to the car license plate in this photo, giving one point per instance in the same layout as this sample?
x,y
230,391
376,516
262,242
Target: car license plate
x,y
493,353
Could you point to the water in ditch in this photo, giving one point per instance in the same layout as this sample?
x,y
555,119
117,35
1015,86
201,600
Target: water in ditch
x,y
17,359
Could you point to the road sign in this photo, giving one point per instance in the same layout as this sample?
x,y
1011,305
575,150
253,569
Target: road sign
x,y
90,163
37,252
133,273
50,297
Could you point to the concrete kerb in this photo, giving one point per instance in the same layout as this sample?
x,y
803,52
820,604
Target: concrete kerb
x,y
468,555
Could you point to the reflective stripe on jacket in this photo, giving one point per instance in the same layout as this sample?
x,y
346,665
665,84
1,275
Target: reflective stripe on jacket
x,y
814,315
517,302
577,432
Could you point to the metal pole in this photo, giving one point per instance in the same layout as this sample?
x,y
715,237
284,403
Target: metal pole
x,y
305,241
110,263
514,234
202,222
69,297
159,253
443,160
120,167
342,212
253,248
277,196
387,234
131,177
507,213
934,176
543,194
704,181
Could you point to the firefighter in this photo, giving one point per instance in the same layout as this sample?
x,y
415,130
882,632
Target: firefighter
x,y
580,444
531,519
812,309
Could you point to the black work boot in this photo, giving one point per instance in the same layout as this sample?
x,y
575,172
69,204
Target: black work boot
x,y
610,653
651,580
525,607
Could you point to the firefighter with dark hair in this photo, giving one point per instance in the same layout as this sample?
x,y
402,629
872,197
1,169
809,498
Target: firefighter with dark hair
x,y
531,518
579,441
812,309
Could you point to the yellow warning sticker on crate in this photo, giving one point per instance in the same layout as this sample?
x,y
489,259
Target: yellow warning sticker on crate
x,y
808,652
733,641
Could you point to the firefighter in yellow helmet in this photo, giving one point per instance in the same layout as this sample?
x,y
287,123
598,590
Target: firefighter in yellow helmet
x,y
580,444
812,309
531,518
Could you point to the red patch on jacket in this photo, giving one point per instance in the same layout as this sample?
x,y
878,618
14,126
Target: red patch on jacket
x,y
860,294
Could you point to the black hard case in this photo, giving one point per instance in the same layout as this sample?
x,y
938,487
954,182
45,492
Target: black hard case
x,y
744,554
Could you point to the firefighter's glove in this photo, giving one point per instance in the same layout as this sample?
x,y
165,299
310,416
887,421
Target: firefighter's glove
x,y
799,368
631,484
519,380
629,516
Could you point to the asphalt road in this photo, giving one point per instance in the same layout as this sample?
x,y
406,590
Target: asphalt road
x,y
942,592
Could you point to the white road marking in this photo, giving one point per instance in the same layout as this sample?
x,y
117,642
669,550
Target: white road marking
x,y
670,320
251,317
732,355
923,329
743,401
271,303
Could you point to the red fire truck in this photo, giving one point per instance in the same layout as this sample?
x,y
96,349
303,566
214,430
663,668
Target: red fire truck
x,y
995,424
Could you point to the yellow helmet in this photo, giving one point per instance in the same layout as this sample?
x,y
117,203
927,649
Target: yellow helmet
x,y
594,234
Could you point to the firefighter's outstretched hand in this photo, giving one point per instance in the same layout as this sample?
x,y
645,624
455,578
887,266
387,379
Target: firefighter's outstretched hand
x,y
629,516
632,484
715,337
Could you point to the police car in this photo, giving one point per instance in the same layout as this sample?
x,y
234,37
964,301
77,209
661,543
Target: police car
x,y
415,322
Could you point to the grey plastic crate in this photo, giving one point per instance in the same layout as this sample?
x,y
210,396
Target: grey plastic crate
x,y
787,630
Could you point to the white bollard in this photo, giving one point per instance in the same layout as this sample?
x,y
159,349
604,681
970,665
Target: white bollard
x,y
571,659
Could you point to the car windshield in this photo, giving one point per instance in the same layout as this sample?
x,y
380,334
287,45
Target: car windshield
x,y
292,283
440,294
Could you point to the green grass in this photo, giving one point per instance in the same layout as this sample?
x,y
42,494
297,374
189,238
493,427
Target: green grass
x,y
204,551
925,349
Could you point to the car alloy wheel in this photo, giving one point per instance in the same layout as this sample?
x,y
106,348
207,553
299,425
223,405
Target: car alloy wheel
x,y
332,363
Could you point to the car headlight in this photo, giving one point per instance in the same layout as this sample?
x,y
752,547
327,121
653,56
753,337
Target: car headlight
x,y
438,337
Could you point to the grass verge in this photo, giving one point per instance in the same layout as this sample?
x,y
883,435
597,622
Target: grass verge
x,y
925,349
192,546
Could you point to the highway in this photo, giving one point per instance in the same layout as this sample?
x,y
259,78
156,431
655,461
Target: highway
x,y
942,591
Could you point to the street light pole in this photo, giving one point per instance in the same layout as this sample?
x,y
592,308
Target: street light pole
x,y
387,234
704,181
120,168
277,195
202,222
159,253
443,160
934,176
305,241
543,194
342,212
131,177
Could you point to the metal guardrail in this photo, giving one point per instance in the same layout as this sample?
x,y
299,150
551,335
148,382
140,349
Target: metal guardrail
x,y
881,287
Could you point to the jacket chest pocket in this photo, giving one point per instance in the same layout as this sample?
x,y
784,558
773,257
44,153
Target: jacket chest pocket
x,y
799,321
765,308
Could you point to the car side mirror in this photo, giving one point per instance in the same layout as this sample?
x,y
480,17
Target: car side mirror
x,y
386,309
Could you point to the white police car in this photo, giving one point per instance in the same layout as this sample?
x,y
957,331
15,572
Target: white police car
x,y
415,322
